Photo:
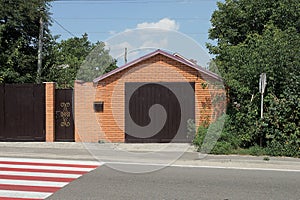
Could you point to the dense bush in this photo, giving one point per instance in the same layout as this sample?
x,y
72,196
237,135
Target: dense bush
x,y
255,37
211,138
231,143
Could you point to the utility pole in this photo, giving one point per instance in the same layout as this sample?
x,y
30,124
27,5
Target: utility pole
x,y
40,49
125,56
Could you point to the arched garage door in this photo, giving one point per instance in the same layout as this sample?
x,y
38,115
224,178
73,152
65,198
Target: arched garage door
x,y
145,118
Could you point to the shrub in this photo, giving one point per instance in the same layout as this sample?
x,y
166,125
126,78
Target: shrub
x,y
257,151
199,137
213,139
222,147
275,148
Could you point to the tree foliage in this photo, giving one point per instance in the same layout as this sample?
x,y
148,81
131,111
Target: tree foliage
x,y
77,58
255,36
236,19
64,59
19,31
97,63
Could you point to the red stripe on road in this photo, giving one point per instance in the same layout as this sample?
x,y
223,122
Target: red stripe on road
x,y
36,178
49,164
42,170
28,188
11,198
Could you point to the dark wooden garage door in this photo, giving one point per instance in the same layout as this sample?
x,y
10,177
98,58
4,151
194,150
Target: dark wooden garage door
x,y
22,112
64,123
178,100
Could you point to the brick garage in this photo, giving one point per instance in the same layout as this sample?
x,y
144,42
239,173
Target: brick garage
x,y
158,67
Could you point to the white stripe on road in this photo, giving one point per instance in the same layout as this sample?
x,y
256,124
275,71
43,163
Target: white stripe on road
x,y
52,161
240,168
23,194
33,183
204,166
21,165
56,175
46,167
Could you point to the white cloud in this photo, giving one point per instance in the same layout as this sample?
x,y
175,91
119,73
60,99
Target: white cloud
x,y
117,49
159,43
164,23
112,32
144,38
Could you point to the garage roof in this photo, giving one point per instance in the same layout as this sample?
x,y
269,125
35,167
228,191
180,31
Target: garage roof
x,y
175,56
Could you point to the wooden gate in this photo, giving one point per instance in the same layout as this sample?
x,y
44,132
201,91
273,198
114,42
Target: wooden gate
x,y
22,112
64,123
178,100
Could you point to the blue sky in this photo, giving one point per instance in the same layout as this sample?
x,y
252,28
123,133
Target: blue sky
x,y
103,19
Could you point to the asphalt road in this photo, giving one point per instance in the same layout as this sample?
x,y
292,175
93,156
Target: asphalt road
x,y
183,183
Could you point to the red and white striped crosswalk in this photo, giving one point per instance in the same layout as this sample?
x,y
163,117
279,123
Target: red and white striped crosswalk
x,y
25,178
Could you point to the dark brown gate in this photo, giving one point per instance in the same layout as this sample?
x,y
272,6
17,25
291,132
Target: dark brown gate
x,y
22,112
64,123
178,101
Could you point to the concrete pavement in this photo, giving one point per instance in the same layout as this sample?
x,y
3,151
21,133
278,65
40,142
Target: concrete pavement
x,y
188,177
164,154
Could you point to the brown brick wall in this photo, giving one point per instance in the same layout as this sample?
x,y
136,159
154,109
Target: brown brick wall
x,y
50,110
87,128
109,125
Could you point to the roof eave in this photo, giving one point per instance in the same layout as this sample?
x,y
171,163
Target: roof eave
x,y
181,60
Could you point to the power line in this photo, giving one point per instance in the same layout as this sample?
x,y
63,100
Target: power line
x,y
63,27
128,1
107,32
120,0
131,18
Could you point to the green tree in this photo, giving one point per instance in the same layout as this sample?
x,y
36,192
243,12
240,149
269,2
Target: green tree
x,y
65,58
255,36
97,63
236,19
76,58
19,31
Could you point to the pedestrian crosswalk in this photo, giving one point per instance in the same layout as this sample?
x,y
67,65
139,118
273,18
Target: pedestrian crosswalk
x,y
26,178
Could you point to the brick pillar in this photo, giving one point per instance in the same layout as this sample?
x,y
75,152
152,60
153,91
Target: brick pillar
x,y
87,128
50,110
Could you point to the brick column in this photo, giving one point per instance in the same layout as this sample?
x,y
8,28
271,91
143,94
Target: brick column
x,y
87,128
50,110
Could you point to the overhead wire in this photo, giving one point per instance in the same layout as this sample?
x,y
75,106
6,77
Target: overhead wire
x,y
127,1
122,18
63,27
131,18
108,32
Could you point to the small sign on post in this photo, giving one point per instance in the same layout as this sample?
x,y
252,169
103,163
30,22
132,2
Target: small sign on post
x,y
262,87
262,82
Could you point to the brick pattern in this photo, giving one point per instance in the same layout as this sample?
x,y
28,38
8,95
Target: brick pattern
x,y
50,110
87,128
109,125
